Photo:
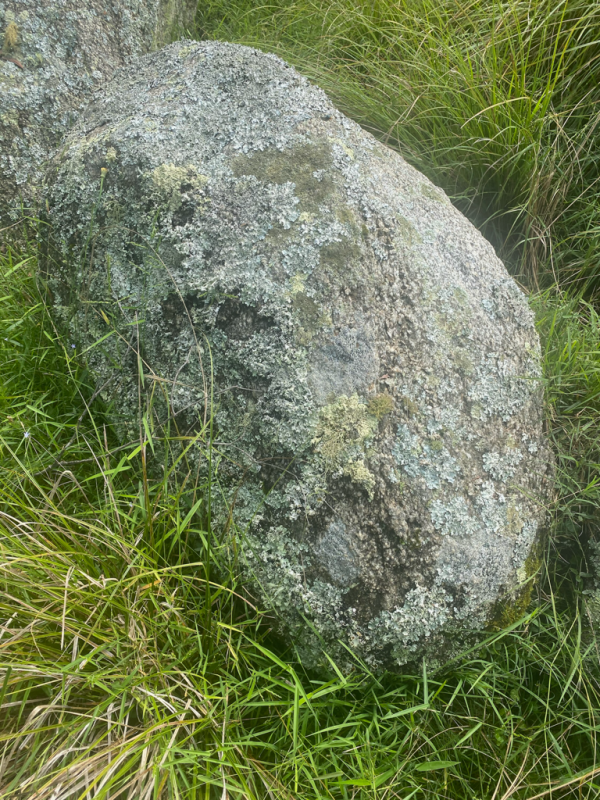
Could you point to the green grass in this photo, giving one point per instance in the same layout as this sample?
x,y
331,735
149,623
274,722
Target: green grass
x,y
133,661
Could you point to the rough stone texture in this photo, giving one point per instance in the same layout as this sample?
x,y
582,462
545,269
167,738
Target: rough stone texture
x,y
377,394
54,52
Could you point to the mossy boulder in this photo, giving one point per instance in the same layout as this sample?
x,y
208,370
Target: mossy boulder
x,y
377,395
52,54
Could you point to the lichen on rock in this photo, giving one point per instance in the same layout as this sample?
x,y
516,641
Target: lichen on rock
x,y
376,391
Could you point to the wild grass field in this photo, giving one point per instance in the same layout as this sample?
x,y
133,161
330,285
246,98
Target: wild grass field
x,y
133,663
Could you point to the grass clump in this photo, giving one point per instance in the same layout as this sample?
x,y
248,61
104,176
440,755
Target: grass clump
x,y
133,661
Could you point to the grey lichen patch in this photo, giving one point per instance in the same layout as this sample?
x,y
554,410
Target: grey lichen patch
x,y
497,513
489,511
503,300
367,406
502,466
453,518
425,458
502,388
423,614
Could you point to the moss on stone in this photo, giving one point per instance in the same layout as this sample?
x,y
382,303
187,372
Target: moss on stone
x,y
11,37
514,606
340,256
308,312
433,194
407,231
462,361
305,165
409,406
380,406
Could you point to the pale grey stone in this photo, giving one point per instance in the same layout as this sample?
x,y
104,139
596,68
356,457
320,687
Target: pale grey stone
x,y
377,394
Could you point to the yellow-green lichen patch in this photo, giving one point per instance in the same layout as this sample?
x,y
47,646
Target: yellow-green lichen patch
x,y
343,431
347,150
171,182
184,52
297,283
380,406
11,37
358,472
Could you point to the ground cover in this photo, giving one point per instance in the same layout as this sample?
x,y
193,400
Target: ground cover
x,y
133,664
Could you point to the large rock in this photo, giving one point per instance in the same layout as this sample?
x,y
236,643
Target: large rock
x,y
54,52
377,400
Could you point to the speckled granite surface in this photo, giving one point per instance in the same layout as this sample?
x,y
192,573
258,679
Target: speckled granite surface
x,y
378,404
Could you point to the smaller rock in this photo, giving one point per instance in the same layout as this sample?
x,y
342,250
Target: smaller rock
x,y
54,53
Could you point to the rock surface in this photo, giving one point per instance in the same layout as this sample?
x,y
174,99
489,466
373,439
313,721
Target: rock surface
x,y
54,52
376,371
